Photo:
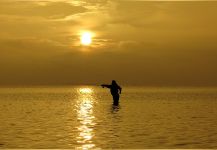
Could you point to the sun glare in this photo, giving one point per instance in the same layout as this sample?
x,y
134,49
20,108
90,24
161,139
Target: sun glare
x,y
85,90
86,38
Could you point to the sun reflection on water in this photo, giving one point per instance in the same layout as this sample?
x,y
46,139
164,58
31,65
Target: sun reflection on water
x,y
85,117
86,91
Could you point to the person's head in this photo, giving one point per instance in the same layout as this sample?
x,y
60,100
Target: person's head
x,y
114,82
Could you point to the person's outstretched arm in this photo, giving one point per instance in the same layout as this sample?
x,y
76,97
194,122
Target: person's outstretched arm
x,y
106,85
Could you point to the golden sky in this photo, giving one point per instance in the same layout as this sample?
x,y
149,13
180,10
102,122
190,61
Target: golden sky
x,y
134,42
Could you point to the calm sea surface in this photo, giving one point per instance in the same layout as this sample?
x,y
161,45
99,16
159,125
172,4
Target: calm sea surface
x,y
83,117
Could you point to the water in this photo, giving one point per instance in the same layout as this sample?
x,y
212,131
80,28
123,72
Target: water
x,y
83,117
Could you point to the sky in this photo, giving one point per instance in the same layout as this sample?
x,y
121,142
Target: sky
x,y
150,43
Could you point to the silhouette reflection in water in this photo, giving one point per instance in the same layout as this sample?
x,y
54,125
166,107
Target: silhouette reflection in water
x,y
85,117
115,90
115,108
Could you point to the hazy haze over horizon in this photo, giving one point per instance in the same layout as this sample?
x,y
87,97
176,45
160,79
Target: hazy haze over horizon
x,y
134,42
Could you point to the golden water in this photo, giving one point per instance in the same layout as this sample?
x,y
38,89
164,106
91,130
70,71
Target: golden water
x,y
83,117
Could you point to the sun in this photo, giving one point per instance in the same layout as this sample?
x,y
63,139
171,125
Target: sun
x,y
86,38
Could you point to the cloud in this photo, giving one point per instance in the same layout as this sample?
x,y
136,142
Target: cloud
x,y
28,49
31,19
145,43
51,10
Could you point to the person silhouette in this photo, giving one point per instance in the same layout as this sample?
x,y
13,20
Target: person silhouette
x,y
115,90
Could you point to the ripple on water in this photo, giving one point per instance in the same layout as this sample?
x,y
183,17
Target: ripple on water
x,y
83,117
